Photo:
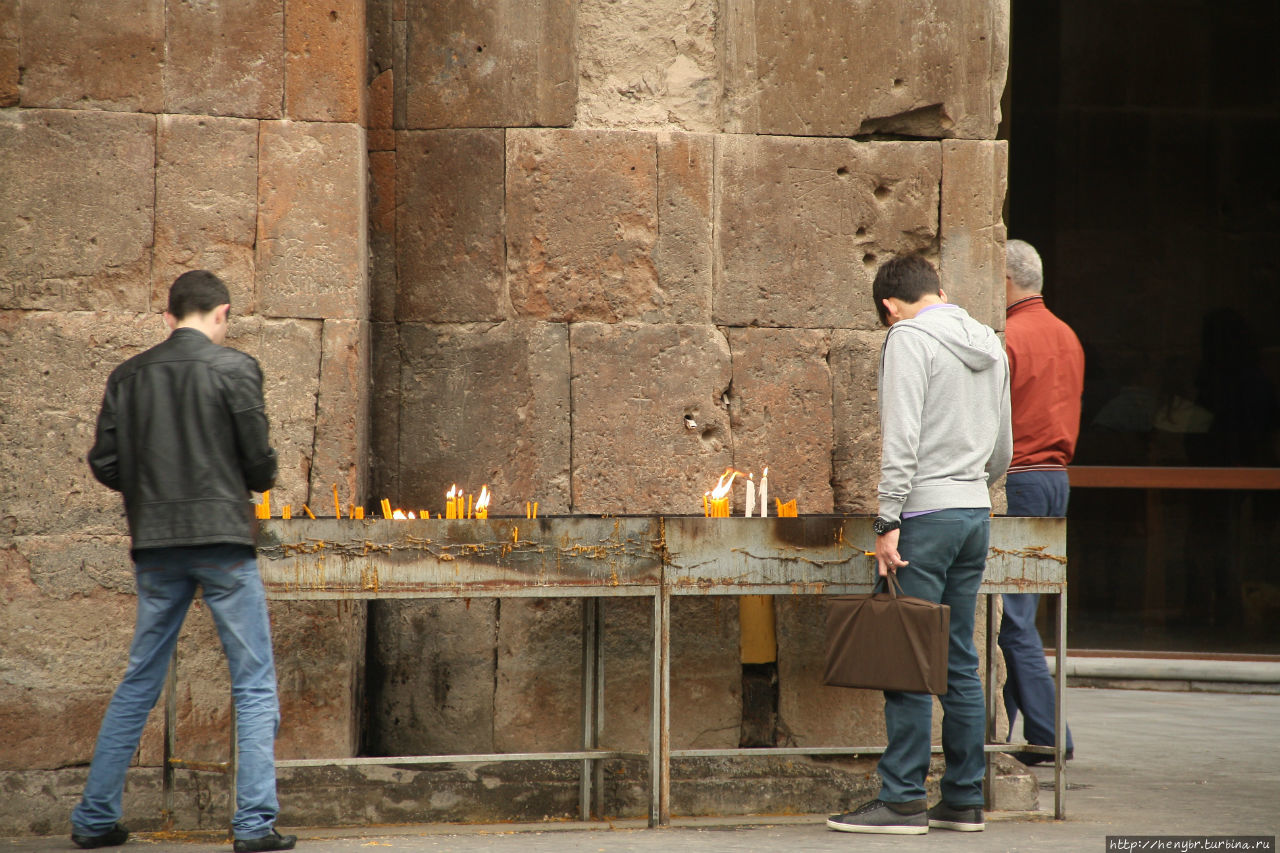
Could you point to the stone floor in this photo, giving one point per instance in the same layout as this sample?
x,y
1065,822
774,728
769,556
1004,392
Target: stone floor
x,y
1147,763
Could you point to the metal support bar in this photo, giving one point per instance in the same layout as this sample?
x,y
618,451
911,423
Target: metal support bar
x,y
1059,706
989,781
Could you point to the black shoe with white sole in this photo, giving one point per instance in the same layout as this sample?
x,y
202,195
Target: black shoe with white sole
x,y
962,819
877,816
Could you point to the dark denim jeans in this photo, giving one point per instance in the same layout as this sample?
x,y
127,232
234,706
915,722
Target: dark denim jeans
x,y
946,552
167,579
1028,687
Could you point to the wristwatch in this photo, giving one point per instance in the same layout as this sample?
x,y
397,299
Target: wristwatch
x,y
880,526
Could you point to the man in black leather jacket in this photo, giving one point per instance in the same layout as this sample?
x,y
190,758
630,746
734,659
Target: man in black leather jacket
x,y
182,435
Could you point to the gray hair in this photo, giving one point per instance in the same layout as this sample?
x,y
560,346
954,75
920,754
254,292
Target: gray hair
x,y
1022,263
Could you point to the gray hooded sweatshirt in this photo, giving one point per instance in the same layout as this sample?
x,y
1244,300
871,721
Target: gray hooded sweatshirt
x,y
944,413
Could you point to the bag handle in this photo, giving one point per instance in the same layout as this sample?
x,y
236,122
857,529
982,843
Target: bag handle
x,y
894,585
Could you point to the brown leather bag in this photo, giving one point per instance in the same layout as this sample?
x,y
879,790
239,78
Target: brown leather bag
x,y
887,641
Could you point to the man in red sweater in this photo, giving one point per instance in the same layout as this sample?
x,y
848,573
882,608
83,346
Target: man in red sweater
x,y
1046,364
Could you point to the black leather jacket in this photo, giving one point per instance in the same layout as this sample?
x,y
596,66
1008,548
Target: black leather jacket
x,y
182,435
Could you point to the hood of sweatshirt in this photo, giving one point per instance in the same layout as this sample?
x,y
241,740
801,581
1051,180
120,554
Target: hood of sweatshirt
x,y
974,343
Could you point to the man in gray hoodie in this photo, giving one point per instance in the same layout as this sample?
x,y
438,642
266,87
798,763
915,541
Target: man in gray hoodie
x,y
944,418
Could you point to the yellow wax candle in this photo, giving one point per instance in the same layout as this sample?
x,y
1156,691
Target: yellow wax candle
x,y
286,511
535,509
359,513
469,497
706,506
308,511
386,508
266,504
337,507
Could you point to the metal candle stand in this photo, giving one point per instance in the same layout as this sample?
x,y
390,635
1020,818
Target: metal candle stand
x,y
593,558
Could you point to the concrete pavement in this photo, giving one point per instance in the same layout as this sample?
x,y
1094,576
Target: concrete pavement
x,y
1147,763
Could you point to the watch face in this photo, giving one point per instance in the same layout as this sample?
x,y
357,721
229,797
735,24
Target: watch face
x,y
879,526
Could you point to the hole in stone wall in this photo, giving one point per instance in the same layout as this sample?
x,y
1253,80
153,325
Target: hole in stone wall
x,y
898,82
861,232
842,171
869,260
882,192
333,14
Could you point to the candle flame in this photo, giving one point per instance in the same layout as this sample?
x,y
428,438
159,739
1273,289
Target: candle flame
x,y
398,514
483,501
453,491
724,485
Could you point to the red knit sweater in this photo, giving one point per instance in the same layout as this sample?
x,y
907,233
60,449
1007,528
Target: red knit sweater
x,y
1046,364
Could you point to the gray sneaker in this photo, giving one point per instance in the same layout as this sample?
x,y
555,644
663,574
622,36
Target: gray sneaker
x,y
963,819
909,818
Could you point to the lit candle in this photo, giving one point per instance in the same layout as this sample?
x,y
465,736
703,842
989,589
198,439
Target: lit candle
x,y
751,496
482,503
764,494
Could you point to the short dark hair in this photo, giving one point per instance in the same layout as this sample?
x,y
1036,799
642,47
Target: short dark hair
x,y
197,292
909,278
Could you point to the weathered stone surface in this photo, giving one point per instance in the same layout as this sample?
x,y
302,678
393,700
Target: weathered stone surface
x,y
382,235
61,660
384,403
855,458
537,698
431,677
706,677
224,58
504,64
803,225
379,120
781,413
206,204
342,417
685,252
10,42
633,385
971,266
931,68
449,225
485,404
582,226
653,64
324,60
76,244
289,352
312,230
69,59
56,367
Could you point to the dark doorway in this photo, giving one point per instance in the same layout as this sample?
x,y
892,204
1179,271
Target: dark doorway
x,y
1143,167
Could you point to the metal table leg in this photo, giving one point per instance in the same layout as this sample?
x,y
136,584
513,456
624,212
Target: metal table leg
x,y
1059,707
660,744
989,783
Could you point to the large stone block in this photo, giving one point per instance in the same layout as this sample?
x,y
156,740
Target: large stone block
x,y
933,68
324,60
685,253
484,404
206,204
384,403
56,367
61,659
289,352
379,120
342,417
803,224
431,677
971,266
10,55
583,226
225,58
78,227
449,225
382,235
855,458
504,64
312,187
781,413
93,55
537,700
633,386
650,64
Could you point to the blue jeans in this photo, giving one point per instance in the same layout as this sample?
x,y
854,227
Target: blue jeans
x,y
167,579
1028,686
946,552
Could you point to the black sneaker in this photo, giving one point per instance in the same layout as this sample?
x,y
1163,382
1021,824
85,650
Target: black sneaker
x,y
274,841
113,837
963,819
908,818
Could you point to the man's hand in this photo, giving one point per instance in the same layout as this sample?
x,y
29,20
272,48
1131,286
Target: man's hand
x,y
887,556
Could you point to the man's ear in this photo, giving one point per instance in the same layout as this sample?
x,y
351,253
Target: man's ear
x,y
170,321
942,294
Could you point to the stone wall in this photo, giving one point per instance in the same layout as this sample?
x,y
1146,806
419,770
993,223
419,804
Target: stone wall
x,y
136,145
583,221
593,220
